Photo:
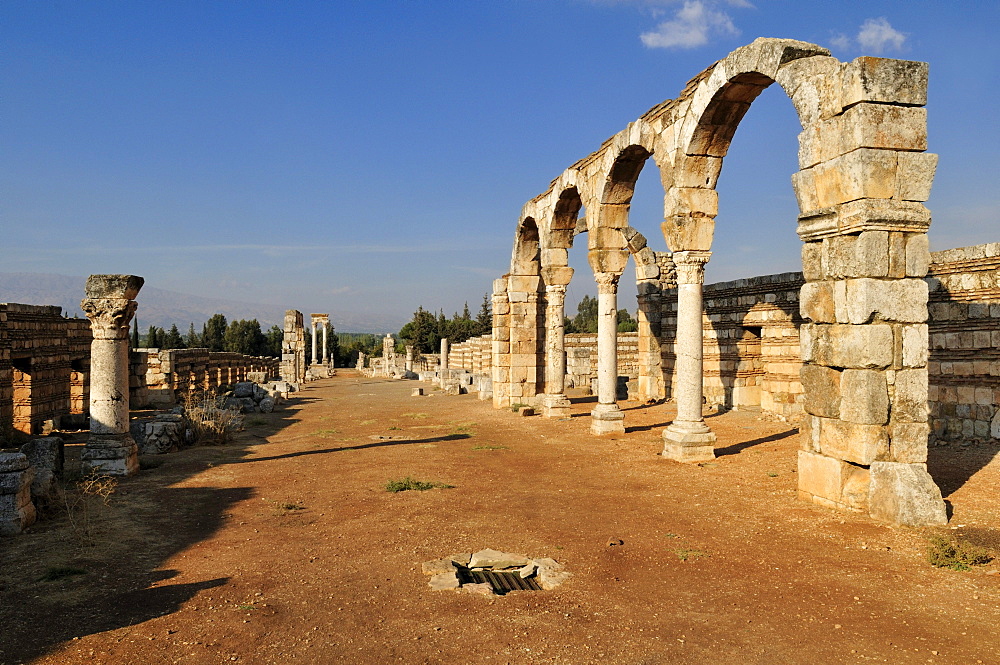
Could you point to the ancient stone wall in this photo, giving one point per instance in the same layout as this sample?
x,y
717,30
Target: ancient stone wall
x,y
158,378
36,380
473,355
964,362
752,356
581,356
293,348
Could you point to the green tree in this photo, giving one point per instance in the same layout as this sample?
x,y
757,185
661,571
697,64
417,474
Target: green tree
x,y
192,339
484,320
585,320
274,337
135,333
626,323
153,337
214,333
421,331
172,339
245,337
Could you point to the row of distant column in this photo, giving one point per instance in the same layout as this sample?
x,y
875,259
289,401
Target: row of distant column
x,y
320,321
687,438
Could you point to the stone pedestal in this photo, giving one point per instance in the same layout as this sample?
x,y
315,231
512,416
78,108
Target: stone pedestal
x,y
17,512
688,438
109,305
607,419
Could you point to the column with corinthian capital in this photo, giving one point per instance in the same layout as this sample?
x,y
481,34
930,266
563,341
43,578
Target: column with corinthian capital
x,y
110,449
555,404
607,418
688,438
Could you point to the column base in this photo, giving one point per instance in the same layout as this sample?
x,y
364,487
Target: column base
x,y
555,406
110,455
688,442
607,419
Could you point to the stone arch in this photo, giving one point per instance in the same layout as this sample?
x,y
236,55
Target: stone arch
x,y
862,182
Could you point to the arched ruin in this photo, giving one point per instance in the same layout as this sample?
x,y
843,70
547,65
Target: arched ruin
x,y
864,175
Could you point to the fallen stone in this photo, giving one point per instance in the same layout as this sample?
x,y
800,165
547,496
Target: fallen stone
x,y
496,560
462,559
528,570
13,462
417,392
443,581
437,566
243,389
266,405
525,411
483,589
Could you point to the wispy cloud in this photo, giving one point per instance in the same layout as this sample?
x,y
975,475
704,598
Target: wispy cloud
x,y
875,35
693,25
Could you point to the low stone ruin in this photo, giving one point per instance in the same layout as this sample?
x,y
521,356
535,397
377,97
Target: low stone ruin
x,y
16,509
458,570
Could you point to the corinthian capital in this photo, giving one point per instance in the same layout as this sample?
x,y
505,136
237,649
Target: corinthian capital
x,y
691,266
607,282
109,317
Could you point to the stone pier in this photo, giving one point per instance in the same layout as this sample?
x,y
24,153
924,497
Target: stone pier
x,y
555,404
110,306
443,367
688,438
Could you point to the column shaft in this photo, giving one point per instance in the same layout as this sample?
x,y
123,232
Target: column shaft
x,y
607,418
555,403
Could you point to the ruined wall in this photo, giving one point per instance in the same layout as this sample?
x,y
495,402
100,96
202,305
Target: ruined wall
x,y
156,378
474,355
964,363
581,356
752,356
293,348
36,380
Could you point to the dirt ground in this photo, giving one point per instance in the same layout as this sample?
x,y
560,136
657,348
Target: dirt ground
x,y
285,547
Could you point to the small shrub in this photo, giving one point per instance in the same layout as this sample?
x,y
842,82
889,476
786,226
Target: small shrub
x,y
956,554
489,448
685,555
409,483
517,406
60,573
208,421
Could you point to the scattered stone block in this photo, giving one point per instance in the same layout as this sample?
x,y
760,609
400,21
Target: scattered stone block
x,y
525,411
438,566
442,581
498,560
417,392
46,456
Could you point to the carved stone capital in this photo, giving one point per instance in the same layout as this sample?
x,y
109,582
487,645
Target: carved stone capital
x,y
109,317
690,266
555,294
607,282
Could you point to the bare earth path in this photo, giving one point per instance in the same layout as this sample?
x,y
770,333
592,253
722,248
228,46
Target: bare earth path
x,y
285,548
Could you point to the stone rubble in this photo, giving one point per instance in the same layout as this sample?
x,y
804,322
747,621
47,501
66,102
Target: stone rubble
x,y
443,573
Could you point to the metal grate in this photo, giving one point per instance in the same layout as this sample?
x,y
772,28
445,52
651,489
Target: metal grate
x,y
500,581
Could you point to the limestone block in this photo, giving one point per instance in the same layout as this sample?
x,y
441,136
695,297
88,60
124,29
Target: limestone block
x,y
909,400
808,82
863,173
113,286
853,442
905,494
908,442
812,261
816,302
867,346
884,80
822,390
915,175
683,232
865,300
918,256
883,215
915,347
489,558
882,126
46,457
865,397
836,481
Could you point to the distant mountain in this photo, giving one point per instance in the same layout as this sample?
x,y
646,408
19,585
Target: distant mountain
x,y
157,307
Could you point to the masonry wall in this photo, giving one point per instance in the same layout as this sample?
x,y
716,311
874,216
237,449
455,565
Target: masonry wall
x,y
157,378
964,362
752,356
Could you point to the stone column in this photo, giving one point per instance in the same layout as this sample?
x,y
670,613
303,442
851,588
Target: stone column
x,y
314,349
409,358
688,438
326,355
444,362
607,418
388,344
555,403
110,306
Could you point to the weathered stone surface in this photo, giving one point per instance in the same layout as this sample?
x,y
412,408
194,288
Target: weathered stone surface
x,y
443,581
832,481
865,397
550,573
908,442
909,400
125,287
481,589
46,458
438,566
13,462
816,303
243,389
266,405
853,442
915,345
493,559
822,390
899,300
850,346
905,494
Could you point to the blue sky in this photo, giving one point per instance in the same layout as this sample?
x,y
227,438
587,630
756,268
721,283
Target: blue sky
x,y
366,158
